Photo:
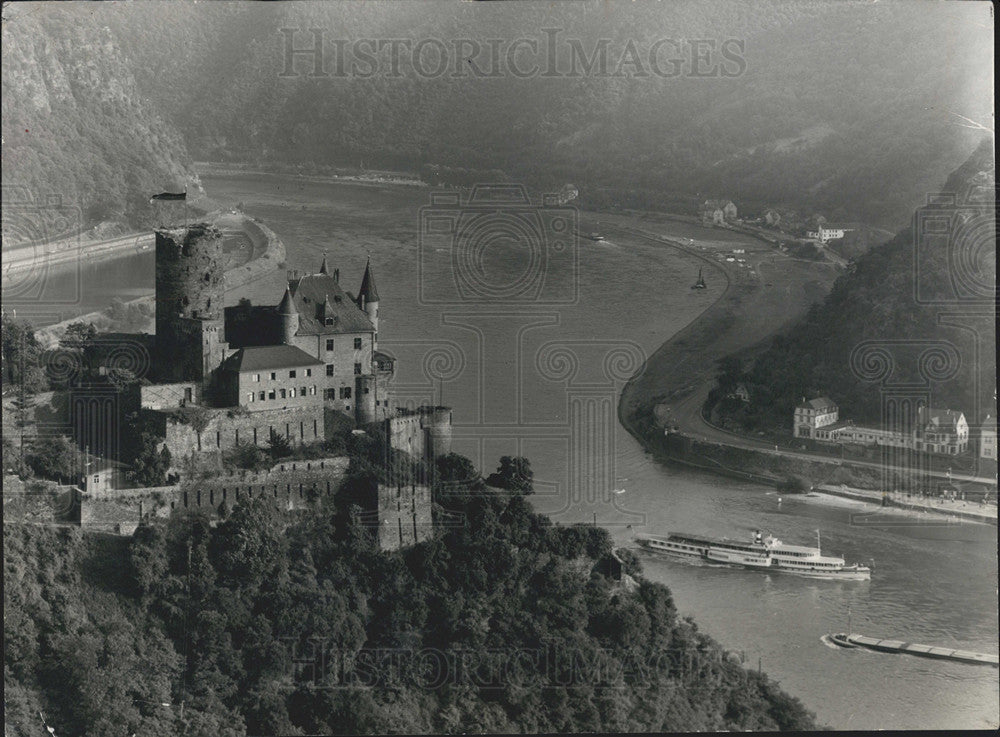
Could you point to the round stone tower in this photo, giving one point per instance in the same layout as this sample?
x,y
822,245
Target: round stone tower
x,y
288,318
190,296
436,422
190,277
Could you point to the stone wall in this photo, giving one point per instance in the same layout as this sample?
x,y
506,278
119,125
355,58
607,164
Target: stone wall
x,y
404,515
227,428
291,484
424,433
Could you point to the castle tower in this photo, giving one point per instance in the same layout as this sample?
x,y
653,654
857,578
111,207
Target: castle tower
x,y
436,423
190,295
323,268
288,318
368,298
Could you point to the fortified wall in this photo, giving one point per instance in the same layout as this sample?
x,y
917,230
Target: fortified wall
x,y
423,433
290,483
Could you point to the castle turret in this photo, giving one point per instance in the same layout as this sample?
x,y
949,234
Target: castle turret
x,y
288,318
323,268
436,423
368,298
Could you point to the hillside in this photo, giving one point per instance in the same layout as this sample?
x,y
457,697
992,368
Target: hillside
x,y
271,624
919,292
82,144
821,107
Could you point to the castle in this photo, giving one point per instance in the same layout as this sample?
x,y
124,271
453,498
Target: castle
x,y
228,376
316,348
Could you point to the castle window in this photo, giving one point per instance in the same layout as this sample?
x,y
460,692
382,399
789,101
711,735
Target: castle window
x,y
357,344
366,390
283,393
262,396
345,392
291,393
250,397
309,372
302,392
274,375
329,369
329,321
271,394
312,390
357,368
329,394
329,344
256,377
291,374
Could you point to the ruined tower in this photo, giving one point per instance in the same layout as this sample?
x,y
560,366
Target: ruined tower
x,y
190,295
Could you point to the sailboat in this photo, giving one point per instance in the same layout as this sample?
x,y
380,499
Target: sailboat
x,y
700,284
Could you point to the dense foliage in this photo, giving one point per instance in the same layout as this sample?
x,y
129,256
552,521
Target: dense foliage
x,y
277,624
897,299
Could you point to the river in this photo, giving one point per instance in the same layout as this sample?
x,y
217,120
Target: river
x,y
536,372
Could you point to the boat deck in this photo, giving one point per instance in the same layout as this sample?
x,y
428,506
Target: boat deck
x,y
929,651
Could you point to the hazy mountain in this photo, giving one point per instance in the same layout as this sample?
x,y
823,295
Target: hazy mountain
x,y
75,127
924,303
846,109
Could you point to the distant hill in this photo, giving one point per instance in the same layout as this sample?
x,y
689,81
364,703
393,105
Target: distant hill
x,y
76,130
845,109
920,291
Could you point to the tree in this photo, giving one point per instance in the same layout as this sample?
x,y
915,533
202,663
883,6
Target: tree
x,y
22,357
278,445
53,457
150,465
513,474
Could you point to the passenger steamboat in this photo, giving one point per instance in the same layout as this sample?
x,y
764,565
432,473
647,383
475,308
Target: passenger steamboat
x,y
763,552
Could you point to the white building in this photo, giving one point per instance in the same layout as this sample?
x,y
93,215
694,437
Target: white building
x,y
988,438
813,414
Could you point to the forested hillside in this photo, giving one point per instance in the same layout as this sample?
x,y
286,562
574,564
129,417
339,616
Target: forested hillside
x,y
931,288
76,129
498,624
795,124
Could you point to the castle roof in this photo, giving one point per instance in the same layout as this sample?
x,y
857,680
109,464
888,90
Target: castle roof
x,y
310,293
287,305
368,291
267,357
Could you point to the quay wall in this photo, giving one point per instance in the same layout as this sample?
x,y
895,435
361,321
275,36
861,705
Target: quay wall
x,y
766,467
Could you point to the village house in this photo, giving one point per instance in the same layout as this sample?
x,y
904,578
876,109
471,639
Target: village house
x,y
988,439
940,431
824,234
717,212
814,414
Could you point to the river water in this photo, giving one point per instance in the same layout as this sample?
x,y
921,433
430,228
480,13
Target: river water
x,y
534,368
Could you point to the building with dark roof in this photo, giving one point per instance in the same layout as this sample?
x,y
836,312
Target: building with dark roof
x,y
335,328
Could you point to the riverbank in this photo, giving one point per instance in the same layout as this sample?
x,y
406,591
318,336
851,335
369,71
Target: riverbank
x,y
944,510
755,301
375,178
